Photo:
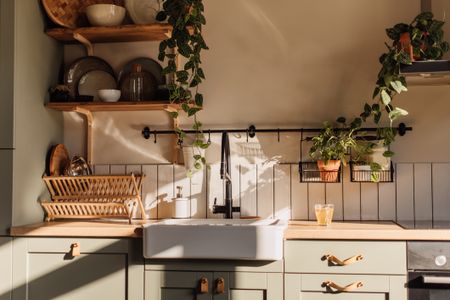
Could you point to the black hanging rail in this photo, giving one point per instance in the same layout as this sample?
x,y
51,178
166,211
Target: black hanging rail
x,y
251,131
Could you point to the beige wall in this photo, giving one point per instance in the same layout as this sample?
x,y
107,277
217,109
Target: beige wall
x,y
36,65
272,63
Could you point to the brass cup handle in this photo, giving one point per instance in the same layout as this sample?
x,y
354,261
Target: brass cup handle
x,y
220,285
203,285
336,261
348,288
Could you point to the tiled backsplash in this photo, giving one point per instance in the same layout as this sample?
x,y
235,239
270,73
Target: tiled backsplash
x,y
420,191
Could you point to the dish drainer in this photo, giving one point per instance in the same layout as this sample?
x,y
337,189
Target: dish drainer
x,y
93,196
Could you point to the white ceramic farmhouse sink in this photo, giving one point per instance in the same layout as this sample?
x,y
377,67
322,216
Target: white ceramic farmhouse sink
x,y
215,239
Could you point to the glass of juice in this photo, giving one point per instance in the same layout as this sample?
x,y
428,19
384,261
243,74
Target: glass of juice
x,y
324,213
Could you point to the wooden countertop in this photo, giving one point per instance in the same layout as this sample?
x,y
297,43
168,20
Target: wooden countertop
x,y
387,231
82,229
297,230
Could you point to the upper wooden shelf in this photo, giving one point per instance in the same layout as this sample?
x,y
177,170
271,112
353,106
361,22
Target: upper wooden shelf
x,y
114,106
115,34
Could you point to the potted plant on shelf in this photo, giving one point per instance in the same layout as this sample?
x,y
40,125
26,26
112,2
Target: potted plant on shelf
x,y
422,39
187,19
330,147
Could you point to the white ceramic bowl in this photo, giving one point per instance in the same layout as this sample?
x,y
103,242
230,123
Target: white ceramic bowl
x,y
109,95
105,14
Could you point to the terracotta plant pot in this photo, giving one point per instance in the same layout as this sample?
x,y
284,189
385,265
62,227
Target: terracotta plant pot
x,y
405,44
329,172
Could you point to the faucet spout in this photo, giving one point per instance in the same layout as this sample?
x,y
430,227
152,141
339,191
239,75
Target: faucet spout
x,y
225,174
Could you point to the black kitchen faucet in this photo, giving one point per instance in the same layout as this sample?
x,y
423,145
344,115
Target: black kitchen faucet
x,y
225,174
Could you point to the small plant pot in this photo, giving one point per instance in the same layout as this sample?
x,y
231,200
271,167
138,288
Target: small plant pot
x,y
329,172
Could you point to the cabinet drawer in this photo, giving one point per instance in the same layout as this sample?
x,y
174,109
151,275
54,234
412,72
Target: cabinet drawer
x,y
369,283
375,257
63,245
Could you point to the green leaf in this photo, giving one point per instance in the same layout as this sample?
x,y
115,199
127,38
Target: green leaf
x,y
376,92
199,100
341,120
397,112
173,114
385,98
197,157
192,111
200,73
185,107
388,153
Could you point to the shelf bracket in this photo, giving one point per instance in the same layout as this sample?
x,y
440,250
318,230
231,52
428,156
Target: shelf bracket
x,y
85,42
89,126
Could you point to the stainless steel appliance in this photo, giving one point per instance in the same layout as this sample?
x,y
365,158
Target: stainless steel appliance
x,y
428,265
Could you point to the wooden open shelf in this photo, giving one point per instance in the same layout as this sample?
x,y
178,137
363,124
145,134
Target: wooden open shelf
x,y
114,106
114,34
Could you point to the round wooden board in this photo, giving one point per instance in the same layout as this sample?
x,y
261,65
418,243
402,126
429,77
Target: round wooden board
x,y
59,160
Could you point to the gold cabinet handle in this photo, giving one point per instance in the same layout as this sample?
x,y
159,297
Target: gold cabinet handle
x,y
220,285
75,250
351,287
336,261
204,286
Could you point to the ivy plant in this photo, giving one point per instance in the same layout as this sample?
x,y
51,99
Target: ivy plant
x,y
187,18
333,143
422,39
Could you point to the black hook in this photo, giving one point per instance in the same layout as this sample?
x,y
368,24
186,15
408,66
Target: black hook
x,y
146,132
154,133
401,129
251,131
209,137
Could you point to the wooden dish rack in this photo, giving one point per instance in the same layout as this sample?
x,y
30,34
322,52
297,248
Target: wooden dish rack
x,y
94,196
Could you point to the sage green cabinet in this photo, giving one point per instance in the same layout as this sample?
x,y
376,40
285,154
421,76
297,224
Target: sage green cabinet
x,y
182,280
5,268
345,270
77,269
187,285
6,74
313,286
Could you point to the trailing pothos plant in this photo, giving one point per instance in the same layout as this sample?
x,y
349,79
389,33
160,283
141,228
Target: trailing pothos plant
x,y
187,19
422,39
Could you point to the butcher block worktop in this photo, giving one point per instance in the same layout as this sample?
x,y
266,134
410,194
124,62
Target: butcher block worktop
x,y
297,230
389,231
82,229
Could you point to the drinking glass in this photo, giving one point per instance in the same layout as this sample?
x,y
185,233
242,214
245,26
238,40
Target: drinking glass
x,y
324,213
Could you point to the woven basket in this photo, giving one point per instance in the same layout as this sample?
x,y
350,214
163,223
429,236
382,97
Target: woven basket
x,y
71,13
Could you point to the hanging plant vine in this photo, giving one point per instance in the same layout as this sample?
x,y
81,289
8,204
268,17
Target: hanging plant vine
x,y
422,39
187,18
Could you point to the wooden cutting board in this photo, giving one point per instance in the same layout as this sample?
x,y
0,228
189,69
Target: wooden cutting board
x,y
59,160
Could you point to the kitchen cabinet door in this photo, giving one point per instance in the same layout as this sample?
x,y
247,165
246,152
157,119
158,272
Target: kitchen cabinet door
x,y
179,285
47,268
5,268
6,74
185,285
6,186
255,286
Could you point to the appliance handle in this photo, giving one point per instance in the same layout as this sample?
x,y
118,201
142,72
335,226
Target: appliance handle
x,y
436,279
